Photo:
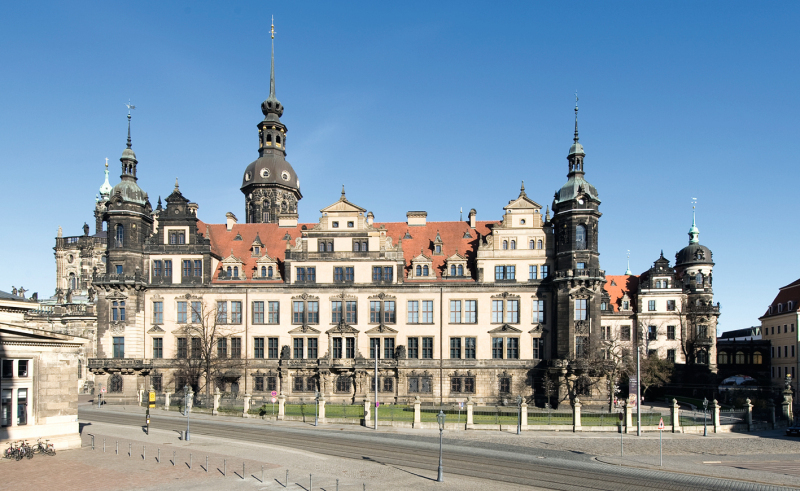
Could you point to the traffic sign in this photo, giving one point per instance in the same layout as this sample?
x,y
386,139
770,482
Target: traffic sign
x,y
620,416
377,403
102,390
273,400
661,424
274,394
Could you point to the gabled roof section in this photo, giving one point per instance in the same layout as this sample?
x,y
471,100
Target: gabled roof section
x,y
786,294
618,286
523,202
505,328
343,205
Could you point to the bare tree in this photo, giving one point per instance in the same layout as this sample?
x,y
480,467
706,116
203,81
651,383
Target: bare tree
x,y
617,365
656,372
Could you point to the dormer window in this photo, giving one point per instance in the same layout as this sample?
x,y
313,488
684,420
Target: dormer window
x,y
256,250
789,306
780,308
438,249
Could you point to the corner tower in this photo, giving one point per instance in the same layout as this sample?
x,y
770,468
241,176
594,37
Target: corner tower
x,y
270,185
578,280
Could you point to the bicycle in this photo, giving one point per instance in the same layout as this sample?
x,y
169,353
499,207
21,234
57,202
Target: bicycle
x,y
45,448
26,450
10,452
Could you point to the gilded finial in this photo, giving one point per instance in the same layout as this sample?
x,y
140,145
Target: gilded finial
x,y
272,28
106,162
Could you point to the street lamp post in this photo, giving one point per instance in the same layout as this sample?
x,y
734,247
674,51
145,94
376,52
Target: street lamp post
x,y
187,407
519,415
705,413
440,418
316,407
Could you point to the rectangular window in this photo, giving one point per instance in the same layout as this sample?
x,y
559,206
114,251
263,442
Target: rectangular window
x,y
413,347
671,355
312,312
273,312
258,312
505,385
455,311
413,312
258,347
312,348
470,311
538,348
197,312
198,268
236,347
298,312
299,384
538,311
349,274
651,305
337,347
512,311
183,348
512,348
382,273
389,312
158,312
580,309
532,272
338,273
545,271
469,385
187,267
497,348
504,273
671,332
259,384
119,347
222,312
156,381
272,348
625,333
388,348
652,333
298,348
671,305
580,346
222,347
182,311
702,331
158,348
374,311
158,267
427,311
8,368
168,268
456,384
469,348
118,310
497,311
427,348
22,407
236,312
22,368
351,311
196,349
455,348
350,347
336,312
374,345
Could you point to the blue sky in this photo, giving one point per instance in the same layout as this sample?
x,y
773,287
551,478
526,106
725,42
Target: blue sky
x,y
417,106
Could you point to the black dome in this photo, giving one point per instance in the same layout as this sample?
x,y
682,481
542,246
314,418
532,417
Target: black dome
x,y
694,254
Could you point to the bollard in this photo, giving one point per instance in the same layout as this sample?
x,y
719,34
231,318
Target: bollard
x,y
225,467
262,473
104,445
287,478
337,485
206,464
159,456
92,441
310,483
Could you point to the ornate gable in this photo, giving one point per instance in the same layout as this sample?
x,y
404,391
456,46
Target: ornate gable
x,y
266,268
456,267
505,329
422,267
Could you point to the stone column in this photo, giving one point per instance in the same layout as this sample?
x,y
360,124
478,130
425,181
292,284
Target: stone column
x,y
715,415
321,415
215,409
771,409
367,414
281,406
470,404
166,399
417,417
676,416
749,416
576,415
787,405
524,415
246,409
139,395
628,416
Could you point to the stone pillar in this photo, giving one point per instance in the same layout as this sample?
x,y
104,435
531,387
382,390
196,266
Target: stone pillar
x,y
215,409
367,414
417,417
470,404
321,415
166,400
771,410
715,415
281,406
246,409
628,416
524,415
787,405
576,415
139,394
749,416
676,416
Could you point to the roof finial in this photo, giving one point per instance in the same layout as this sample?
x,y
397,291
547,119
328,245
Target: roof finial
x,y
522,189
628,271
694,232
176,186
105,189
106,162
272,62
342,191
575,139
129,106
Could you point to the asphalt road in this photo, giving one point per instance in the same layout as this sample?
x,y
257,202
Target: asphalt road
x,y
507,464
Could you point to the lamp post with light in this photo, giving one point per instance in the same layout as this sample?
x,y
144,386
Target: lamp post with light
x,y
440,418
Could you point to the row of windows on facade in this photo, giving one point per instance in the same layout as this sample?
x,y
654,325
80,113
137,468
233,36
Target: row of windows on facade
x,y
785,329
776,350
359,245
789,307
509,272
307,312
512,244
652,333
782,372
740,358
307,348
163,268
14,401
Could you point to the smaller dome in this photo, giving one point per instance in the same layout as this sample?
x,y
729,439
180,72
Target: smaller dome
x,y
693,254
130,192
576,149
128,154
105,189
272,106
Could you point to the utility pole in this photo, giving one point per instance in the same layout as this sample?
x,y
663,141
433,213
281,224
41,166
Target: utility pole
x,y
638,392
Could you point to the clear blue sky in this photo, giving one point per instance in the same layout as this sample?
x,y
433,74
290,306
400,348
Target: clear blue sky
x,y
418,106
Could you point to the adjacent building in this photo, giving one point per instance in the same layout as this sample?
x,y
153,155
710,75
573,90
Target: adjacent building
x,y
779,327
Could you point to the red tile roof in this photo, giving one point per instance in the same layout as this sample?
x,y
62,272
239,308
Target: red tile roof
x,y
223,242
790,292
617,286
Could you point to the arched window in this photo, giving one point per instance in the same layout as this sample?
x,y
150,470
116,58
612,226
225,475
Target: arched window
x,y
757,358
419,270
278,139
722,358
236,271
438,249
539,245
740,358
229,271
269,138
263,271
789,305
505,244
460,270
73,282
356,246
425,271
702,357
115,383
513,244
321,247
453,270
699,278
580,237
532,244
269,272
780,308
120,235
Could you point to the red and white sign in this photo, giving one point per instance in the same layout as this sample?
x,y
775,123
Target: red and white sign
x,y
661,424
273,400
103,390
377,404
274,394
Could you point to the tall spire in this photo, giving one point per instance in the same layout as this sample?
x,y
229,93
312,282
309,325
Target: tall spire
x,y
575,163
575,139
694,232
272,63
628,271
272,105
129,106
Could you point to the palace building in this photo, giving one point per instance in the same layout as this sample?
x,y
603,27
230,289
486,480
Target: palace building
x,y
481,309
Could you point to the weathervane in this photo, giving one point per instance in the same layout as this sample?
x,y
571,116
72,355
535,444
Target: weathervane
x,y
129,106
272,28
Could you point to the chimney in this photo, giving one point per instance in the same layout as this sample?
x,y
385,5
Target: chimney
x,y
231,220
370,218
472,214
416,218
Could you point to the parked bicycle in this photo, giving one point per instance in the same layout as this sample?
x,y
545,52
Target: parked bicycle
x,y
18,451
46,448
